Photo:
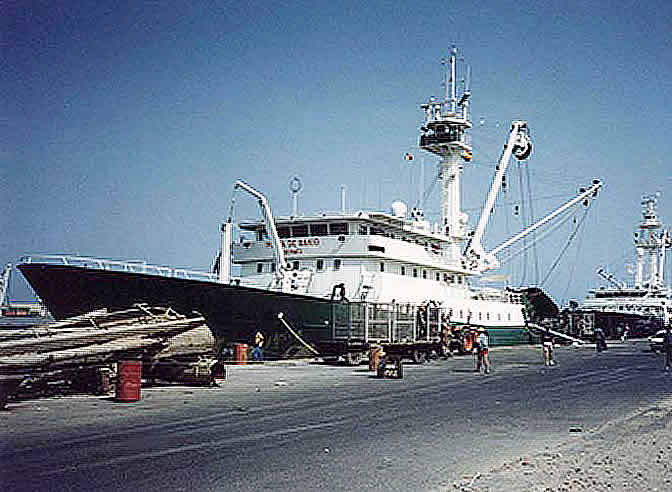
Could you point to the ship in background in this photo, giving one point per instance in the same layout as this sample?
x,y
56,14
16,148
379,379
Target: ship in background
x,y
17,313
643,307
329,278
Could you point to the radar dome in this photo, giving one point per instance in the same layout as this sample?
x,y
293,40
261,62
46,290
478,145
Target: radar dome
x,y
399,209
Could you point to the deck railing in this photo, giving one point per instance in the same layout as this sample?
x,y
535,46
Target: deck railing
x,y
138,266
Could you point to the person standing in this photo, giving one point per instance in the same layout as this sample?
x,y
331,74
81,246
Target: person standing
x,y
258,353
600,341
547,347
482,347
667,347
625,334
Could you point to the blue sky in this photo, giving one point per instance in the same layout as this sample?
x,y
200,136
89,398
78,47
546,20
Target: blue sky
x,y
125,124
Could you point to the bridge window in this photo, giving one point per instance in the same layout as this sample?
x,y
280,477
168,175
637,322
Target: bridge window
x,y
382,266
320,265
415,272
300,230
337,264
318,229
403,270
338,229
260,267
424,274
363,230
273,267
375,231
438,276
283,232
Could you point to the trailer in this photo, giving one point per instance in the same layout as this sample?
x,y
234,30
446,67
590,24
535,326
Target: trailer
x,y
403,331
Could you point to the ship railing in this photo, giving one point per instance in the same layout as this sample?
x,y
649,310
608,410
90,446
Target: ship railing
x,y
131,266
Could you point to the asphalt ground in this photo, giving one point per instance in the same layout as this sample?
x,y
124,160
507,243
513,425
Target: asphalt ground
x,y
319,427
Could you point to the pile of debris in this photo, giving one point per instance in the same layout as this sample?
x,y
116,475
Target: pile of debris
x,y
81,353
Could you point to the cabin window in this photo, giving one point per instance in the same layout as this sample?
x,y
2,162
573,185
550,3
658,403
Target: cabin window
x,y
499,316
438,277
445,277
300,231
375,231
337,264
338,229
382,266
363,230
320,265
318,229
284,232
260,267
273,267
509,315
261,235
295,265
459,280
424,274
487,316
403,270
452,279
480,316
415,272
461,314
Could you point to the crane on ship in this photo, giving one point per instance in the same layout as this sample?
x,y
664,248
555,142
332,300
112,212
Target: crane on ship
x,y
285,278
444,133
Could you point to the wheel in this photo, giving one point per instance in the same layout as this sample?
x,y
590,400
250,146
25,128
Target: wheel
x,y
419,357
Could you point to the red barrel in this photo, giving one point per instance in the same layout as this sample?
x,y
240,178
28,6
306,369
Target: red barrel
x,y
128,387
240,353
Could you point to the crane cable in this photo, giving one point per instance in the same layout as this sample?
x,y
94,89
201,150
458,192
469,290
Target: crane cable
x,y
569,242
547,232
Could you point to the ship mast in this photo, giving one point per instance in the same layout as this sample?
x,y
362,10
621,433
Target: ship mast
x,y
444,134
650,245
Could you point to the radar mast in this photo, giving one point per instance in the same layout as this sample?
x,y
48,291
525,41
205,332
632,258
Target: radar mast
x,y
444,133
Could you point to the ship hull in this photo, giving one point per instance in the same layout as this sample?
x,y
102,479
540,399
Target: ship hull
x,y
233,313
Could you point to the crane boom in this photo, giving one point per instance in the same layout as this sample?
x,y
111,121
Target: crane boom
x,y
278,252
520,146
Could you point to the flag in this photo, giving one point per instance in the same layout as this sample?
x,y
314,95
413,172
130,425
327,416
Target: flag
x,y
408,156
